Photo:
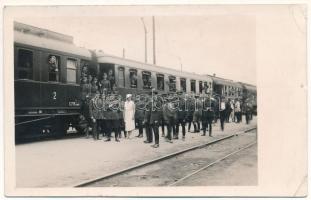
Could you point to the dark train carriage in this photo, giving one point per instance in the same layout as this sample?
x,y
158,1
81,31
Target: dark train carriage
x,y
47,81
137,77
226,88
250,95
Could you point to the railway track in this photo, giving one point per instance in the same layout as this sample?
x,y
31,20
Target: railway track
x,y
174,168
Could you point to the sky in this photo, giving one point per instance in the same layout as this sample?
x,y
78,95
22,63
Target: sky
x,y
224,45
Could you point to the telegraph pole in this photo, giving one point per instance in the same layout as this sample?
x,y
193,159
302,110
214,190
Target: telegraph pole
x,y
145,29
154,40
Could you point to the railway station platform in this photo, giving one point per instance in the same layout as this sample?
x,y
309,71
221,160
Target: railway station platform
x,y
69,162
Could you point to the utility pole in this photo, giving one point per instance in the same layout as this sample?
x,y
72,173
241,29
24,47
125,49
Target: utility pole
x,y
180,63
154,40
123,53
145,29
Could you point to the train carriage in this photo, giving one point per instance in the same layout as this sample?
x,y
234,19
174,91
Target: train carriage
x,y
47,69
136,77
47,72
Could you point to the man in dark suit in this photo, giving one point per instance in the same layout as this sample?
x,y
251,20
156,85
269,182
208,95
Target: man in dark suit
x,y
97,111
153,115
140,115
181,115
207,116
170,117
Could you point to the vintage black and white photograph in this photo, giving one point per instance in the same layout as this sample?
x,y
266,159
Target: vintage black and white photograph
x,y
118,97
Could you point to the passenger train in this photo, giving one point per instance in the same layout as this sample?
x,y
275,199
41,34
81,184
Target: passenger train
x,y
47,73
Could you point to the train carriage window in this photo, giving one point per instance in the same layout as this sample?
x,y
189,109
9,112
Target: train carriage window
x,y
193,88
54,68
160,81
71,70
133,78
121,77
206,87
146,79
24,64
200,86
183,84
172,83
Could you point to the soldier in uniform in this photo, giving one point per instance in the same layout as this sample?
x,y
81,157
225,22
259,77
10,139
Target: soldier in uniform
x,y
94,87
153,117
181,115
140,114
113,115
110,78
104,85
170,110
162,122
197,114
96,108
190,108
207,116
247,110
149,136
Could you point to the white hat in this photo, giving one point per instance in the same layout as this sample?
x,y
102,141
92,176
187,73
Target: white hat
x,y
128,95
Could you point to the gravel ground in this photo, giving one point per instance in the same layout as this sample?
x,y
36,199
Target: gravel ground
x,y
237,170
168,171
65,163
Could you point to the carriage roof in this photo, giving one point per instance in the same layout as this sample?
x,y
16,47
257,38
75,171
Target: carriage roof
x,y
33,36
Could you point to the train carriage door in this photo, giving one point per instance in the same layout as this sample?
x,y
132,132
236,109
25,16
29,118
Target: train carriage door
x,y
200,87
183,84
109,70
121,77
193,86
172,83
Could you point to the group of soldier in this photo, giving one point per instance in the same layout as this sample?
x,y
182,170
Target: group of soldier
x,y
103,111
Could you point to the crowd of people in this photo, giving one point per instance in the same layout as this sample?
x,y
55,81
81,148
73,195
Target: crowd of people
x,y
104,112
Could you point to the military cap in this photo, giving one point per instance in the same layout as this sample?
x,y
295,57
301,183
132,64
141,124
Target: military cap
x,y
179,92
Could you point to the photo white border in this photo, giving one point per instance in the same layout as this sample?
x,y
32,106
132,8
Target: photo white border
x,y
182,191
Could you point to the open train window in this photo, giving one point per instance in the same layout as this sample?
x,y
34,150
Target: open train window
x,y
200,86
146,79
183,84
71,70
121,77
160,81
24,64
172,83
133,78
54,67
193,89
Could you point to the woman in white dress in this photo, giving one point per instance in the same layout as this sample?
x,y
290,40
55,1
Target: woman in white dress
x,y
129,115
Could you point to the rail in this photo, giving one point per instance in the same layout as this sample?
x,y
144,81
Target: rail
x,y
86,183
